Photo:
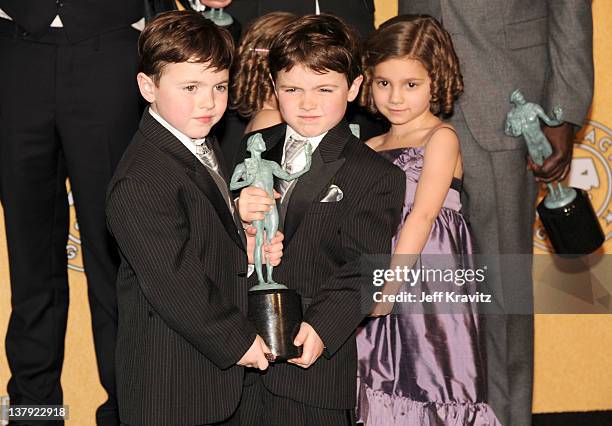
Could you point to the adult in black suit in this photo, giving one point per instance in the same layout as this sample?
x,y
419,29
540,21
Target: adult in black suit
x,y
357,13
68,107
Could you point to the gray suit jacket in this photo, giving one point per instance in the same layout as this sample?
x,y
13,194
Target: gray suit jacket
x,y
543,47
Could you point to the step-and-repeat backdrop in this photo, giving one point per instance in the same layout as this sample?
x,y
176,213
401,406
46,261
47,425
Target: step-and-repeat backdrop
x,y
572,351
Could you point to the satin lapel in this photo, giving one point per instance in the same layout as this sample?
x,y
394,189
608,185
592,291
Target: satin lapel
x,y
274,138
326,161
226,176
168,143
207,185
307,188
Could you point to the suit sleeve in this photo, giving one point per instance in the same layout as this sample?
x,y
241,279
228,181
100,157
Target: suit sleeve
x,y
570,48
336,310
152,233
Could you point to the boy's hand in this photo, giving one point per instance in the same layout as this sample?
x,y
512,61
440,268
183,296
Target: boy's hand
x,y
272,252
253,203
255,357
216,3
312,346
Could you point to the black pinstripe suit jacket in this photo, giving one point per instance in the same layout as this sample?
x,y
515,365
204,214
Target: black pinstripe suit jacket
x,y
323,244
181,286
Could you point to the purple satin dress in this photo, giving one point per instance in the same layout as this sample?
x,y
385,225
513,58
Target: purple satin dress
x,y
424,369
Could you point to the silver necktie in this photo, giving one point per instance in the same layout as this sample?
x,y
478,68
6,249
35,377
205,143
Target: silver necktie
x,y
293,149
207,157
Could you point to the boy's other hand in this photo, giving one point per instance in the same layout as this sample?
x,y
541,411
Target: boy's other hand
x,y
255,357
253,203
272,252
216,3
312,346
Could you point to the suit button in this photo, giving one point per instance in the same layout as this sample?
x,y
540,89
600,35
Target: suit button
x,y
25,33
150,314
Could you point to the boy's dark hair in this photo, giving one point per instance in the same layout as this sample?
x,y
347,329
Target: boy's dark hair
x,y
183,36
318,42
418,37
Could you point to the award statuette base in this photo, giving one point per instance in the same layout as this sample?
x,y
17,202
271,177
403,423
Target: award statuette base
x,y
277,315
573,229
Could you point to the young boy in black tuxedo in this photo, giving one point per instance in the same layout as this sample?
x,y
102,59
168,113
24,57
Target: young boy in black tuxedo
x,y
183,336
347,205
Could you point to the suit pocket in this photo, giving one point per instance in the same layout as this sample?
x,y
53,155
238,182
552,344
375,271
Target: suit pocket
x,y
324,207
524,34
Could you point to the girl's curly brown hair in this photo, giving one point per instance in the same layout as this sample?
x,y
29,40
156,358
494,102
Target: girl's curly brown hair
x,y
418,37
251,85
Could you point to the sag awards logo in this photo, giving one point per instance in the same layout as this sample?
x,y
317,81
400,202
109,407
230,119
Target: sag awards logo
x,y
592,171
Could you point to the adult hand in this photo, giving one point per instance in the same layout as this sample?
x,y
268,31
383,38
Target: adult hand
x,y
556,166
216,3
312,346
255,357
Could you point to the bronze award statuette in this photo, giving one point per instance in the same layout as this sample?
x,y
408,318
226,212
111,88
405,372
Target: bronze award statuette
x,y
566,213
274,309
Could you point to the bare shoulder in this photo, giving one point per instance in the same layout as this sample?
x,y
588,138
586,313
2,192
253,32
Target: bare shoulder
x,y
264,119
445,134
375,142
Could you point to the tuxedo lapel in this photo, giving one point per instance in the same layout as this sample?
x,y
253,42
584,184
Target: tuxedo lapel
x,y
326,161
274,138
157,134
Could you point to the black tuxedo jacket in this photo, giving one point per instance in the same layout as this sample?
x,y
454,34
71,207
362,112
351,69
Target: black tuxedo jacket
x,y
81,18
181,287
357,13
322,248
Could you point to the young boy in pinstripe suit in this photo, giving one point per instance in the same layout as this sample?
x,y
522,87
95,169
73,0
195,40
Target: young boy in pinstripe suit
x,y
183,337
347,205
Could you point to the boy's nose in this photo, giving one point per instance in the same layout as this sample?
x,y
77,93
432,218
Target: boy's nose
x,y
307,103
206,102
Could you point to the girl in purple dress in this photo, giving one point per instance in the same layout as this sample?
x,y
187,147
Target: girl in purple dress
x,y
420,368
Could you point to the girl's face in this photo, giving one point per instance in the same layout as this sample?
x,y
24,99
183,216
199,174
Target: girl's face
x,y
401,90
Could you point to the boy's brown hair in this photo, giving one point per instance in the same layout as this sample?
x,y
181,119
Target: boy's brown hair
x,y
418,37
251,85
318,42
183,36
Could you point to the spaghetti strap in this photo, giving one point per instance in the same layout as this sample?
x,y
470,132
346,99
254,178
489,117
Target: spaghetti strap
x,y
435,129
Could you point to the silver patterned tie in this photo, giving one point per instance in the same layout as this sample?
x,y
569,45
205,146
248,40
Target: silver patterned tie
x,y
293,149
206,154
207,157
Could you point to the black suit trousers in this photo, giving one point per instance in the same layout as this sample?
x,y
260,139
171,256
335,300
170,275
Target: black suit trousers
x,y
66,110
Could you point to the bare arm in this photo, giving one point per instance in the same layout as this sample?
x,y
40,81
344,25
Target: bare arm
x,y
441,156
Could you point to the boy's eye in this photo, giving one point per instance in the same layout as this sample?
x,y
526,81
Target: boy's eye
x,y
221,88
289,90
382,83
412,84
325,90
191,88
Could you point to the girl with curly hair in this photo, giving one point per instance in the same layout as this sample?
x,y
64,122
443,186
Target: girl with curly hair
x,y
425,364
252,92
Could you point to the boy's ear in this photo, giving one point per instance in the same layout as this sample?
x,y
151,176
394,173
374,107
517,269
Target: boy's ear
x,y
146,86
354,89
